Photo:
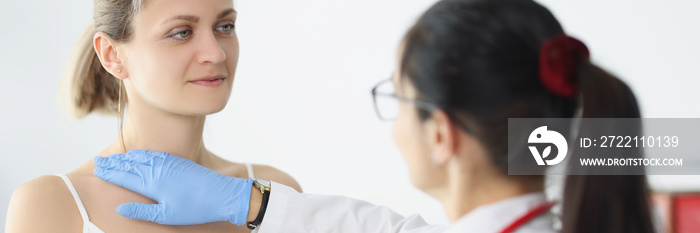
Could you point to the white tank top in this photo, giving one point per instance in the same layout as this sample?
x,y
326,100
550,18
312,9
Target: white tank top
x,y
89,227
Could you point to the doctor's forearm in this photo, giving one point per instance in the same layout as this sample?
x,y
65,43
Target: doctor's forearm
x,y
292,212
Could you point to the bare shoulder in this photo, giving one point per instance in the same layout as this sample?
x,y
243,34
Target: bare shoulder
x,y
276,175
43,204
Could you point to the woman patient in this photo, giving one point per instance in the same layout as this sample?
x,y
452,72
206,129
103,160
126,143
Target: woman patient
x,y
162,66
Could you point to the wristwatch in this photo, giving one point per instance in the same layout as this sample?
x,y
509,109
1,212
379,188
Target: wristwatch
x,y
264,187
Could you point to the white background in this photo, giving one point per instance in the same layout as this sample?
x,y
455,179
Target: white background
x,y
301,99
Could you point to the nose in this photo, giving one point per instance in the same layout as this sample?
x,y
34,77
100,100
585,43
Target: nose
x,y
210,50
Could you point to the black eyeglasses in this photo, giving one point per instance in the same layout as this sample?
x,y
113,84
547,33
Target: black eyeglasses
x,y
386,103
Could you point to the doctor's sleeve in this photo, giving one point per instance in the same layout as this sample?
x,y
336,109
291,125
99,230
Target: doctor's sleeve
x,y
292,212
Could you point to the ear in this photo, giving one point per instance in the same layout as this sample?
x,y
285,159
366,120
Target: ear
x,y
107,52
443,137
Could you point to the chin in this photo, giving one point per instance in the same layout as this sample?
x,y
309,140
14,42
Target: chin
x,y
212,109
426,187
206,108
424,182
207,104
418,182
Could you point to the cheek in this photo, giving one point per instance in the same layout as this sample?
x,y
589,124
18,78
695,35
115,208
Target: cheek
x,y
232,52
410,140
158,76
401,132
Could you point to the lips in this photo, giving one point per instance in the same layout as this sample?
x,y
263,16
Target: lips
x,y
209,81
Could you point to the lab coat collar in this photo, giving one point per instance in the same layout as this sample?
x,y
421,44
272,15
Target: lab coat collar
x,y
497,216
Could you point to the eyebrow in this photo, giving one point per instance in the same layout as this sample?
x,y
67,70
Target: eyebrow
x,y
226,13
195,19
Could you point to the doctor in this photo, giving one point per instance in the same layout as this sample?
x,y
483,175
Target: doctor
x,y
463,69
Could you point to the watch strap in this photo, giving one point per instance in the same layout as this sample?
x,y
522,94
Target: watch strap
x,y
261,214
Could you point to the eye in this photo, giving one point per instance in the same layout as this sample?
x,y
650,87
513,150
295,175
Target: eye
x,y
227,27
183,34
180,34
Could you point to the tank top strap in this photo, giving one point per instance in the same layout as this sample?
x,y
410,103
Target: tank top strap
x,y
251,173
76,197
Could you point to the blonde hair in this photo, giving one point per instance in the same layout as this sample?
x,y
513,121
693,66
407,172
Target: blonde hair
x,y
86,86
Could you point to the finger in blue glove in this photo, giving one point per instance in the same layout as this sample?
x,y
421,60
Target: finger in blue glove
x,y
187,193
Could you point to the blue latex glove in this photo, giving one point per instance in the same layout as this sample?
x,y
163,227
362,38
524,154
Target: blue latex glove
x,y
186,192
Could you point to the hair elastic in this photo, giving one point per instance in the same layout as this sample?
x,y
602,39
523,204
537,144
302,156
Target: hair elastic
x,y
559,56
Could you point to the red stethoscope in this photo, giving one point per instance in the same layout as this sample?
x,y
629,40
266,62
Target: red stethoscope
x,y
540,209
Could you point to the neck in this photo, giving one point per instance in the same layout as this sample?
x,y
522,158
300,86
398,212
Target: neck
x,y
466,192
147,128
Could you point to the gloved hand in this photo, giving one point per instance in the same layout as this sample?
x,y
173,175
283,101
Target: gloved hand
x,y
186,192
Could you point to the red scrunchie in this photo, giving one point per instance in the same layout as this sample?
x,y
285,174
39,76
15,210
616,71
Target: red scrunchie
x,y
559,56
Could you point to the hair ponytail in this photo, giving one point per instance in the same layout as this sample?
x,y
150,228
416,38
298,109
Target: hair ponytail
x,y
86,86
606,203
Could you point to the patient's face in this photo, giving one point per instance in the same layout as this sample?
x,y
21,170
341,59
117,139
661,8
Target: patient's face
x,y
183,56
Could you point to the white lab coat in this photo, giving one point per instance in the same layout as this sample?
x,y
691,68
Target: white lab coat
x,y
291,212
